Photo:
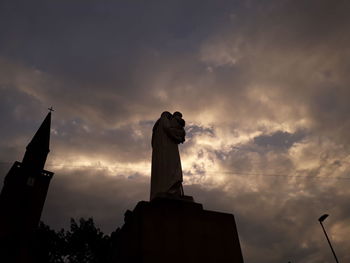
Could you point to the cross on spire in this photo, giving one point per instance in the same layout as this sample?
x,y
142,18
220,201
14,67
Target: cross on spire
x,y
51,109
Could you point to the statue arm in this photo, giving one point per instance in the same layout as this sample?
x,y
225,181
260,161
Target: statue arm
x,y
176,134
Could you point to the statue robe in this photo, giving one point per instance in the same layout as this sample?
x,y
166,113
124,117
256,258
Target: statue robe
x,y
166,165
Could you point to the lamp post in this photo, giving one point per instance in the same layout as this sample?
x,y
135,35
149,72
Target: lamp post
x,y
321,219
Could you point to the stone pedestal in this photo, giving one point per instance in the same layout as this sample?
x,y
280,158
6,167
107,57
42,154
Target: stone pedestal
x,y
167,231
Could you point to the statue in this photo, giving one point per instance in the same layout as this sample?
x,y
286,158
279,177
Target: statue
x,y
166,175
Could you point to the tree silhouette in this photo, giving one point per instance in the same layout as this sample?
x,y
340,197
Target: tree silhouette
x,y
49,246
83,243
86,243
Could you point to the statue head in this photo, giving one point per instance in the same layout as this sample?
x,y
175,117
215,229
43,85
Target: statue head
x,y
177,114
166,114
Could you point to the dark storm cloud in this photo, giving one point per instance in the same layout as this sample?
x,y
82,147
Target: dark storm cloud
x,y
192,130
119,47
126,143
90,193
106,43
279,139
285,226
10,114
304,49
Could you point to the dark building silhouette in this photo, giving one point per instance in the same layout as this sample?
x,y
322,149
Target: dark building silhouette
x,y
23,196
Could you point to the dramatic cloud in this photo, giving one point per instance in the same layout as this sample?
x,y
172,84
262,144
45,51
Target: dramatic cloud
x,y
263,86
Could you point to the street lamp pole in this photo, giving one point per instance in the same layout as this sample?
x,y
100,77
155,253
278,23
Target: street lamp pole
x,y
321,219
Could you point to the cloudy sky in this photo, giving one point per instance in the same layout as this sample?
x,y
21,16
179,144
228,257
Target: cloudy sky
x,y
263,87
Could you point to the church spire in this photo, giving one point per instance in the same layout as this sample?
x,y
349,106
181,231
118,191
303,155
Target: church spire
x,y
22,198
41,139
38,148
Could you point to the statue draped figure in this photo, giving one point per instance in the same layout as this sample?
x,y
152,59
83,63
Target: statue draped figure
x,y
166,175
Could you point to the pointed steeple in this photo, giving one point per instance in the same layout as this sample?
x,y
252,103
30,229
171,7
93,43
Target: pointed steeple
x,y
41,139
38,148
22,197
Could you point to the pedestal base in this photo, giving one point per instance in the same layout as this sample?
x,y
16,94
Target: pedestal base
x,y
167,230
